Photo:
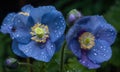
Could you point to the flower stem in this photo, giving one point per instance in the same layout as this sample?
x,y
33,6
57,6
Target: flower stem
x,y
62,58
29,67
25,64
42,67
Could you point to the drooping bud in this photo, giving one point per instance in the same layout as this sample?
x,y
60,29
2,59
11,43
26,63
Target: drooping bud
x,y
11,63
73,15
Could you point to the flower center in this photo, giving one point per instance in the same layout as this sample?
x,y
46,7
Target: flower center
x,y
86,40
39,33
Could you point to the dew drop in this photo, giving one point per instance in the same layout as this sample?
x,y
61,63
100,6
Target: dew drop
x,y
57,27
94,49
12,37
10,27
111,30
112,33
88,65
55,31
17,35
60,16
55,23
51,46
26,50
95,54
101,47
4,24
8,19
61,28
18,20
104,55
83,62
57,35
42,53
104,49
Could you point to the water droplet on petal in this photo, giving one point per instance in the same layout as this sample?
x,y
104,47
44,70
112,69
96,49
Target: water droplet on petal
x,y
17,35
18,20
83,62
57,35
101,47
95,54
55,23
88,64
26,50
104,49
104,55
94,49
42,53
12,37
51,46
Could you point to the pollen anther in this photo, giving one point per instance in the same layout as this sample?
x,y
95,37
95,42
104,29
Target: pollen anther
x,y
39,33
86,40
24,13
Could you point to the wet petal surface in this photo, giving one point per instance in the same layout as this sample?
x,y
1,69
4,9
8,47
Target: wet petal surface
x,y
43,52
16,49
56,24
100,52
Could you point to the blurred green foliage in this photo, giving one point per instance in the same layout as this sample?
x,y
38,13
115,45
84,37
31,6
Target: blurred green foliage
x,y
110,9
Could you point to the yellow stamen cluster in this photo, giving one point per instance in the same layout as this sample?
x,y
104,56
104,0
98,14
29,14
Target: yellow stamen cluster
x,y
24,13
39,33
87,40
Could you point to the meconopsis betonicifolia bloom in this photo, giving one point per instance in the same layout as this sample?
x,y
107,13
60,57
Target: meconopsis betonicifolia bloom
x,y
36,32
90,39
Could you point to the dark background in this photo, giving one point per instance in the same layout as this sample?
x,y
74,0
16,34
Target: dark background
x,y
110,9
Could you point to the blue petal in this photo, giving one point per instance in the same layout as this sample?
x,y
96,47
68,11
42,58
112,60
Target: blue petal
x,y
73,33
38,51
37,13
90,23
22,21
21,36
22,26
75,47
85,24
106,32
56,24
16,49
8,23
100,52
27,8
87,63
59,43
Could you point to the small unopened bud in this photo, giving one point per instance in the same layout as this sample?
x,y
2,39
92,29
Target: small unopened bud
x,y
73,15
11,63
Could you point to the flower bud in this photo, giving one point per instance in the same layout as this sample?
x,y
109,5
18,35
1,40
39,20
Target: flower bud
x,y
73,15
11,63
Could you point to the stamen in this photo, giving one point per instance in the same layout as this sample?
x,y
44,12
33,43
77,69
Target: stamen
x,y
87,40
39,33
24,13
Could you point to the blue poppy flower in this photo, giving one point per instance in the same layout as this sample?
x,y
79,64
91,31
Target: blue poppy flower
x,y
90,39
36,32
